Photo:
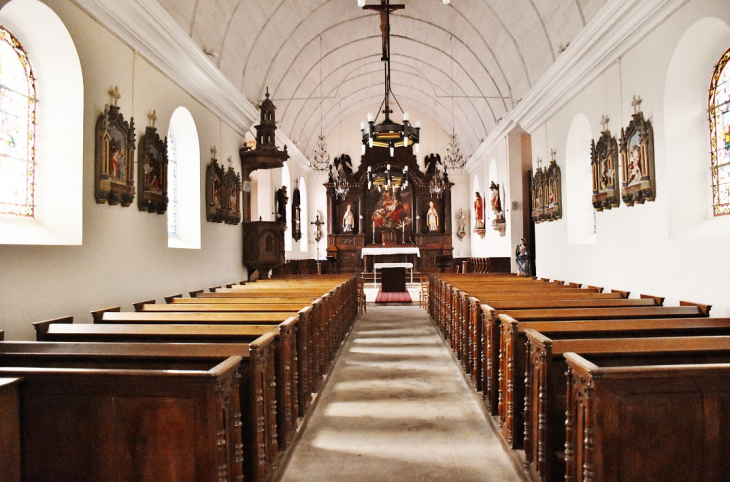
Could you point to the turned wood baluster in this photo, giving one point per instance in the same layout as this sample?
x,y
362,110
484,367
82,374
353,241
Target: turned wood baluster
x,y
528,400
589,474
569,428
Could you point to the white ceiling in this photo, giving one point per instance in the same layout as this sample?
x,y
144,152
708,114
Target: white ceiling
x,y
500,49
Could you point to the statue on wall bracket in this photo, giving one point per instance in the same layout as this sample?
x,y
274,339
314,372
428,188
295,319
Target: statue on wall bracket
x,y
604,166
114,159
554,209
538,191
498,223
461,224
479,215
638,182
152,175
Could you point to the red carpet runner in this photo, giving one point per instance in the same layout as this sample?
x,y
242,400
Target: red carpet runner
x,y
402,297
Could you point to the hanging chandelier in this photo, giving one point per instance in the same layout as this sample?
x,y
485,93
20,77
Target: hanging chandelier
x,y
454,159
438,184
342,187
388,133
320,161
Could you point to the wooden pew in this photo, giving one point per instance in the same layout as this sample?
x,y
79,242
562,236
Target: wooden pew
x,y
545,344
649,409
10,429
274,397
131,420
485,334
510,398
254,389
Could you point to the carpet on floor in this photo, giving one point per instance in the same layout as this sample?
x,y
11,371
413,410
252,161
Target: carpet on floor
x,y
397,297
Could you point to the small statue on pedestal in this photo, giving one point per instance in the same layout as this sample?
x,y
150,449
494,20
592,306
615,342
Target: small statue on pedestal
x,y
348,221
432,218
281,200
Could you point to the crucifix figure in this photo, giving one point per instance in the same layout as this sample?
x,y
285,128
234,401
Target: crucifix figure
x,y
115,94
539,161
636,104
552,155
318,223
213,152
153,117
604,122
385,8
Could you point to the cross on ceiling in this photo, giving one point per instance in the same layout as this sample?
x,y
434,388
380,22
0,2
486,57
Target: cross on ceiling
x,y
153,117
213,151
604,122
115,94
636,104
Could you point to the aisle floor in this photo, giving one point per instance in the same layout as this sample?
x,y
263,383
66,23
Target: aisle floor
x,y
397,408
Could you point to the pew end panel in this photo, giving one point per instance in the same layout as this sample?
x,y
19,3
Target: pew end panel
x,y
10,429
138,306
213,289
41,327
597,289
615,431
98,314
168,299
624,294
194,294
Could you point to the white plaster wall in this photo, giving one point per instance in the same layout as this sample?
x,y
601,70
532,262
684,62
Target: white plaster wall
x,y
124,257
669,247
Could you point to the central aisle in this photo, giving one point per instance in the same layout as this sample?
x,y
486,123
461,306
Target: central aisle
x,y
397,409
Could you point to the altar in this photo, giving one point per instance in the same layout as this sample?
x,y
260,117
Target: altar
x,y
388,251
393,276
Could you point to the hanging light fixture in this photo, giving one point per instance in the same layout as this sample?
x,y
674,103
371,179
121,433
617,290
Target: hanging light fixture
x,y
454,159
320,160
388,133
392,180
438,184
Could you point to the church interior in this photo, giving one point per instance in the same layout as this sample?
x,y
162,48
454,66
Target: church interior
x,y
375,240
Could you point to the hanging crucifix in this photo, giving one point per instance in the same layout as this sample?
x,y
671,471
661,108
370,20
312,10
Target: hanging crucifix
x,y
385,8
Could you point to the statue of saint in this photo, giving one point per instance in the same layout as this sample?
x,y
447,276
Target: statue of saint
x,y
495,201
432,218
281,200
461,220
478,211
522,256
348,220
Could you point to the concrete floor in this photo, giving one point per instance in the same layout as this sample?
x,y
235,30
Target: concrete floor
x,y
397,408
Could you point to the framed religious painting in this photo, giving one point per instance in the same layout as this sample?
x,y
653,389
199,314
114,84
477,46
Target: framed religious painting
x,y
114,156
554,192
604,166
638,182
391,211
232,192
538,191
152,171
215,211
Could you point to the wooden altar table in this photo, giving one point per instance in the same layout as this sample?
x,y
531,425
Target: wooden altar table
x,y
389,250
383,266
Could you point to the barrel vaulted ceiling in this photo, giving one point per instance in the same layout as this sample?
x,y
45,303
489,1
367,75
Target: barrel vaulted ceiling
x,y
325,54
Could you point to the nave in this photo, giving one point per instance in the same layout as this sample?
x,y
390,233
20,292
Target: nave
x,y
396,407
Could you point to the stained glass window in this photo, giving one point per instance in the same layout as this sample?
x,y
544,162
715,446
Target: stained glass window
x,y
17,128
719,109
171,186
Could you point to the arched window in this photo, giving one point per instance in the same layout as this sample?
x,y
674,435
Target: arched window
x,y
171,186
183,187
719,109
17,128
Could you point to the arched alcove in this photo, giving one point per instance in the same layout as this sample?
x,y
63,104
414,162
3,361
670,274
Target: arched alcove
x,y
687,134
286,181
578,210
304,216
59,131
187,156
